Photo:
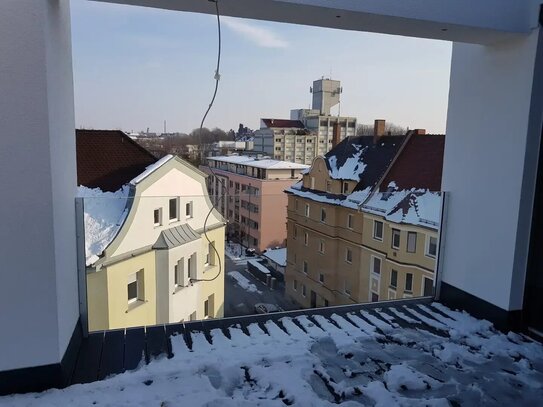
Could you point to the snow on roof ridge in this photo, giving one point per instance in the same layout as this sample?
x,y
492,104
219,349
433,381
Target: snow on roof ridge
x,y
151,168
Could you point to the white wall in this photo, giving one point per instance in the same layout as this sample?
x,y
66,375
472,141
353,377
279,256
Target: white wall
x,y
484,169
38,273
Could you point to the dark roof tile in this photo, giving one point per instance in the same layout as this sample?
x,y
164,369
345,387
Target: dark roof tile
x,y
108,159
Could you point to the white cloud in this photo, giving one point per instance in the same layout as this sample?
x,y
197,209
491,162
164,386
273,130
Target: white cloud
x,y
263,37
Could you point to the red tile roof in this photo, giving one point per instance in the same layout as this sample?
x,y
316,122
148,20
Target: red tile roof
x,y
283,123
419,165
108,159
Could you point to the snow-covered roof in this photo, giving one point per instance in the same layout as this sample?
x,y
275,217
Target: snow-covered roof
x,y
104,214
151,168
353,200
415,207
259,162
259,266
418,354
278,256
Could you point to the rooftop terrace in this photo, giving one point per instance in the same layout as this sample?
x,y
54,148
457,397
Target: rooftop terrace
x,y
406,353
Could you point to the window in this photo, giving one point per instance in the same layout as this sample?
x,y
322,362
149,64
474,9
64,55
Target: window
x,y
210,257
326,303
377,230
206,308
157,217
277,148
350,221
321,278
295,285
306,238
231,184
408,282
395,239
394,278
135,287
411,242
374,297
328,186
347,288
295,235
188,210
431,249
303,290
376,269
307,210
345,188
296,204
305,267
348,255
191,267
179,273
322,245
173,208
323,215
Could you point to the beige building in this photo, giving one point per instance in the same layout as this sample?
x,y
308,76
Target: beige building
x,y
363,223
148,258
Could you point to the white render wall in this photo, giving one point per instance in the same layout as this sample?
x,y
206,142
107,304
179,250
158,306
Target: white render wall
x,y
38,273
486,152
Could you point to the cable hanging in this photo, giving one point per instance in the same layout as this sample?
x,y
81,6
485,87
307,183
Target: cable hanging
x,y
217,78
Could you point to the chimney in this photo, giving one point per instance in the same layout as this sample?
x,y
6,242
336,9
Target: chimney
x,y
336,135
419,132
378,130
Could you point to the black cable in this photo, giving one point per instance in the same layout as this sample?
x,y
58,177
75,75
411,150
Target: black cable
x,y
213,204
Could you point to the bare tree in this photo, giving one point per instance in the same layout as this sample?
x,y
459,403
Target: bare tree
x,y
390,128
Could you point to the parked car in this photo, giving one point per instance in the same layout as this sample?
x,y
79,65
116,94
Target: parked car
x,y
262,308
250,252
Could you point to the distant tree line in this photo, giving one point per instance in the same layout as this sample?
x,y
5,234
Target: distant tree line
x,y
390,128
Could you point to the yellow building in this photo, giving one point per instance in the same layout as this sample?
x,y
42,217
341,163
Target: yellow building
x,y
363,223
148,258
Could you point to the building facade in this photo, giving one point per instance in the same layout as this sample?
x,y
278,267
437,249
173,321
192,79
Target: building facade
x,y
148,260
248,192
356,235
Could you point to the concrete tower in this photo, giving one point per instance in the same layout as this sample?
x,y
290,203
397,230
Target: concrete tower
x,y
325,95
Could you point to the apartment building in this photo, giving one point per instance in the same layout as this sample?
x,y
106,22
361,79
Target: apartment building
x,y
310,132
248,191
363,223
147,259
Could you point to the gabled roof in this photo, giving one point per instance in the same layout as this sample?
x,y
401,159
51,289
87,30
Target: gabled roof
x,y
419,165
176,236
360,159
283,123
109,159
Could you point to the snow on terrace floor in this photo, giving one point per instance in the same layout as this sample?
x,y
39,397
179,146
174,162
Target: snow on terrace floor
x,y
381,357
236,252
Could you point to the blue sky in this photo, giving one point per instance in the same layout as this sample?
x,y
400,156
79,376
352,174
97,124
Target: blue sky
x,y
136,67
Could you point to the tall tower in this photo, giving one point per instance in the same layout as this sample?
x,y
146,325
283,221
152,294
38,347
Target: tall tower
x,y
325,94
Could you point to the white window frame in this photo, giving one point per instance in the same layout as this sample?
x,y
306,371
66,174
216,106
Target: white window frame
x,y
373,258
137,278
307,210
190,207
323,215
347,251
375,237
159,210
412,281
395,232
322,246
427,248
411,233
176,218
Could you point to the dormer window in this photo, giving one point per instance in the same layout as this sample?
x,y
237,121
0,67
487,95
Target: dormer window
x,y
345,188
